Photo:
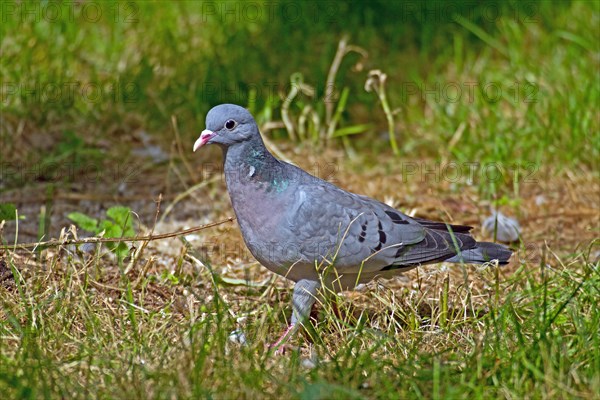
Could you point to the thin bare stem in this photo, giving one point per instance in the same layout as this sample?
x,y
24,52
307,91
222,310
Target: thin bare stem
x,y
55,243
376,83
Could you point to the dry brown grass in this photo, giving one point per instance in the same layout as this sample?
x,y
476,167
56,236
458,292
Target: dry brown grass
x,y
557,211
438,308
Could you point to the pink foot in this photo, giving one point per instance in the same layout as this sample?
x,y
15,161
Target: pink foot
x,y
279,346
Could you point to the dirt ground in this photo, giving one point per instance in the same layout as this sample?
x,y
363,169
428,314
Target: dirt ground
x,y
558,213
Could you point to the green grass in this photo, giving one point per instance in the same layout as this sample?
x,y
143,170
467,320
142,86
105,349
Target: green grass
x,y
524,82
65,335
75,325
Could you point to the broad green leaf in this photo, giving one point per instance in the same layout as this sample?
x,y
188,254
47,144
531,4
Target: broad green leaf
x,y
120,249
121,215
84,222
111,230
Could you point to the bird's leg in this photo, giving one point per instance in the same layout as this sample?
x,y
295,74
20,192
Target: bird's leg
x,y
279,346
303,299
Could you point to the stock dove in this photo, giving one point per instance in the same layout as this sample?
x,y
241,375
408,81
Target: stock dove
x,y
313,232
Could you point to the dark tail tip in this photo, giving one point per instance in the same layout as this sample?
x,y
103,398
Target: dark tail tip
x,y
493,251
482,253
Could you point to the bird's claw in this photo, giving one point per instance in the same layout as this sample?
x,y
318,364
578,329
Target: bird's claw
x,y
281,349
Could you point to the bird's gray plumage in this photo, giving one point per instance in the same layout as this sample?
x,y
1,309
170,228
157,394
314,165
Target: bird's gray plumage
x,y
293,222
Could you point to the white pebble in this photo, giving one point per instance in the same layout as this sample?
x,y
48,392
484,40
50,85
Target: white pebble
x,y
238,337
507,229
308,363
539,200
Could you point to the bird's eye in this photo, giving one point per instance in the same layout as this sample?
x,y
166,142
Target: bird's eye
x,y
230,124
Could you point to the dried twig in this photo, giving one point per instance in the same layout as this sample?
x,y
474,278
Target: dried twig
x,y
342,50
297,87
376,83
54,243
138,252
180,150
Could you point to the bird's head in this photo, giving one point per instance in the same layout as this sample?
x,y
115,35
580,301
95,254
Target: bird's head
x,y
227,125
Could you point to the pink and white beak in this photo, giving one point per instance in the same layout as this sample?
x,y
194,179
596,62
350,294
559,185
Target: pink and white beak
x,y
205,136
